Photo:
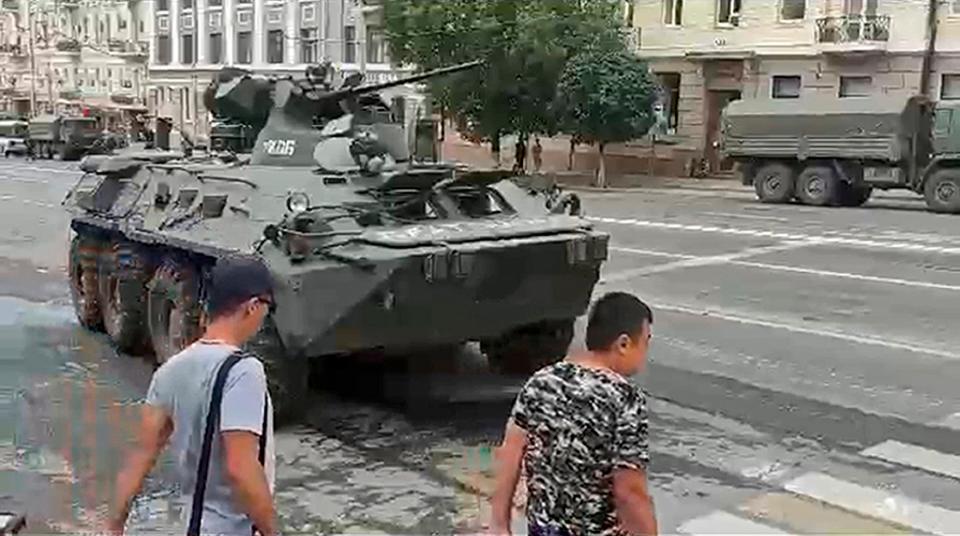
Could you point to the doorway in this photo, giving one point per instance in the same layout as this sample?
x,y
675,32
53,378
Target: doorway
x,y
717,100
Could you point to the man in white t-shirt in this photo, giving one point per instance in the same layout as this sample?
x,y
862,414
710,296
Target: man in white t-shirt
x,y
238,495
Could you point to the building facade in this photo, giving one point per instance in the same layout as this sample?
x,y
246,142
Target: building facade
x,y
709,52
193,39
72,56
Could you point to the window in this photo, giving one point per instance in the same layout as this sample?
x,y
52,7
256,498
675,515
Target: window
x,y
950,87
670,101
793,9
214,3
215,48
728,12
163,5
122,23
786,87
163,23
163,49
860,7
376,45
186,4
186,49
244,17
109,73
185,102
216,20
855,86
186,21
308,45
308,13
140,27
244,47
275,16
350,44
244,1
275,46
955,7
673,12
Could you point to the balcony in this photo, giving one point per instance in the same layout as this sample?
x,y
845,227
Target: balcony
x,y
133,49
853,33
68,45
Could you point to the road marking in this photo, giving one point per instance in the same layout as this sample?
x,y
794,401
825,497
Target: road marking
x,y
695,261
757,233
875,503
908,455
720,522
746,216
950,421
763,266
794,328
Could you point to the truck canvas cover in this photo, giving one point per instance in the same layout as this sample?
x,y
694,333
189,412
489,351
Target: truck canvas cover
x,y
874,128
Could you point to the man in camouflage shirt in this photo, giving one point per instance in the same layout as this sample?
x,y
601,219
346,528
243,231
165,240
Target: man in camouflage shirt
x,y
579,430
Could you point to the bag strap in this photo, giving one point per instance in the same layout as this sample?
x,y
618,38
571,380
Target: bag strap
x,y
263,432
213,418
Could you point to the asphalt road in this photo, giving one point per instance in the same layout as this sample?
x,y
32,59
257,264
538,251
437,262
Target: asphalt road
x,y
803,380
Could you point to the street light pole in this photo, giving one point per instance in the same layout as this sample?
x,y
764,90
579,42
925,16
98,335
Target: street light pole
x,y
33,61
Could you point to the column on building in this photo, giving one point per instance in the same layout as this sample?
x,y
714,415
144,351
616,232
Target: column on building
x,y
290,30
202,28
259,35
229,32
174,32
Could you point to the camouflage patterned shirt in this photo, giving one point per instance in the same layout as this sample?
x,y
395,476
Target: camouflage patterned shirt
x,y
581,423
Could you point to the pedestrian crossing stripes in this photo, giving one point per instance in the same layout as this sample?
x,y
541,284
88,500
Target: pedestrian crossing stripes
x,y
898,512
822,239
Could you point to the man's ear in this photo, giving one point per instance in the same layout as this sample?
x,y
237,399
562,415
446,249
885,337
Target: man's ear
x,y
623,341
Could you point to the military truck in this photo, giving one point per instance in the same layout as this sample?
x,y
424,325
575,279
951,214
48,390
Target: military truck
x,y
373,253
828,151
13,137
64,136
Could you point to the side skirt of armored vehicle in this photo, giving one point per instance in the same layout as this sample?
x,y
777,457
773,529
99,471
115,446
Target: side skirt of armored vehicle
x,y
836,152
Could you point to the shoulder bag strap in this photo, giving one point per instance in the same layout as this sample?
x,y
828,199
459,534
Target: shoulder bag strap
x,y
213,418
262,456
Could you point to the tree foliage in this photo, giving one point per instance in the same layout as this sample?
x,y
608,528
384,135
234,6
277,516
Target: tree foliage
x,y
606,97
525,44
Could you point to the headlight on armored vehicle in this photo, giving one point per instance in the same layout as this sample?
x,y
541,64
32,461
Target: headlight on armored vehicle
x,y
298,202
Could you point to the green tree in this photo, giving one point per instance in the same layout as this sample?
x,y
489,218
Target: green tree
x,y
605,97
525,46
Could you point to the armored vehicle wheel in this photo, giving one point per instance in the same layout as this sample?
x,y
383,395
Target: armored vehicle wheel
x,y
530,348
818,186
774,183
173,309
942,191
124,272
84,252
288,376
853,195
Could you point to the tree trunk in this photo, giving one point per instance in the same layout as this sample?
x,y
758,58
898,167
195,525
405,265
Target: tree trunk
x,y
495,148
573,149
602,171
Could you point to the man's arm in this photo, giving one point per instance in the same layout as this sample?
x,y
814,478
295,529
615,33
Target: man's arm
x,y
155,429
248,480
509,459
633,501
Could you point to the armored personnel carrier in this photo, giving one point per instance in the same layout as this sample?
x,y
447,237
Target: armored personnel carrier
x,y
371,251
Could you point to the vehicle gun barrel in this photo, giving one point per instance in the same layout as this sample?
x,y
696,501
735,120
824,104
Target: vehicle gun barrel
x,y
371,88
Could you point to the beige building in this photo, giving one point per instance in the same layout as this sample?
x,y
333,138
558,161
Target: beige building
x,y
67,55
708,52
193,39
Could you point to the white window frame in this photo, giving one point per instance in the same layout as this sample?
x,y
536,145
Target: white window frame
x,y
215,20
669,7
773,86
244,17
275,16
792,21
186,21
734,20
163,23
305,9
943,84
840,88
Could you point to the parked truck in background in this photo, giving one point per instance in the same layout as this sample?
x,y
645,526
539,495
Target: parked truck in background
x,y
13,137
829,151
68,137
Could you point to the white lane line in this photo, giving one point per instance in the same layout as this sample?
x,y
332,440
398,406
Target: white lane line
x,y
720,522
876,504
950,421
932,461
795,328
719,260
821,239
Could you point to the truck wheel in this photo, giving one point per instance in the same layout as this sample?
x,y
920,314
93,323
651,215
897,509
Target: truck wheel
x,y
774,183
124,272
84,253
817,186
288,376
173,309
942,191
850,195
530,348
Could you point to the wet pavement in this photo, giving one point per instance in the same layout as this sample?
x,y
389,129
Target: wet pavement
x,y
801,358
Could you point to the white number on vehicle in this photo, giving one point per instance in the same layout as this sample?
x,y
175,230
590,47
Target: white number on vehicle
x,y
280,147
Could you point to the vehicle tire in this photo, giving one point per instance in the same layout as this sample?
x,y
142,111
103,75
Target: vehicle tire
x,y
173,309
853,195
83,258
942,191
818,185
530,348
124,273
288,376
774,183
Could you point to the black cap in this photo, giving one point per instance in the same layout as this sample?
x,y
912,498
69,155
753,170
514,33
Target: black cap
x,y
234,280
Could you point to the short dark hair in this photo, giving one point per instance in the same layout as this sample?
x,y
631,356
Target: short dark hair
x,y
234,280
613,315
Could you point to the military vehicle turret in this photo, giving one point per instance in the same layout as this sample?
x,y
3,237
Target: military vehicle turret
x,y
370,250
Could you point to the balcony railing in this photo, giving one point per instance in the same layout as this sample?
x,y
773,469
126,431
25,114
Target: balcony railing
x,y
853,29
